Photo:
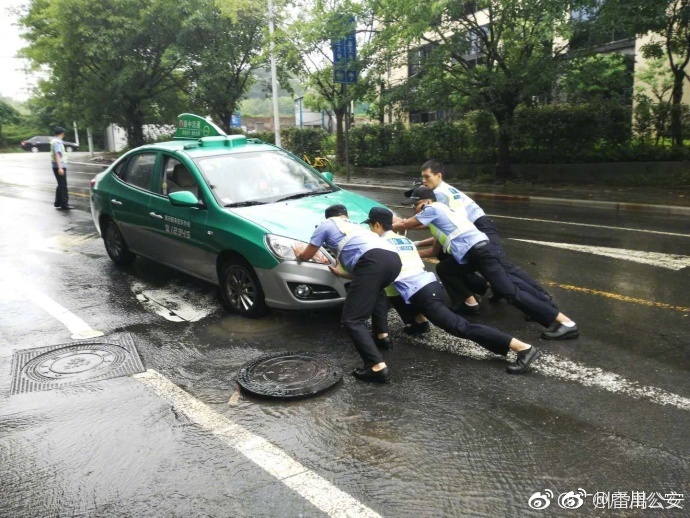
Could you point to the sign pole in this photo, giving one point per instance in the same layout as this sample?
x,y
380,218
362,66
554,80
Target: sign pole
x,y
274,81
347,139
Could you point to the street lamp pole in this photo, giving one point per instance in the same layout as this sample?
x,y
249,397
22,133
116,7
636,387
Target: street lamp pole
x,y
274,80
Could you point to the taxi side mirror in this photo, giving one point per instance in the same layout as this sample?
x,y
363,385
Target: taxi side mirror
x,y
183,199
327,175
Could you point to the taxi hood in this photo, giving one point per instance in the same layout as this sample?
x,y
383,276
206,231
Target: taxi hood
x,y
297,218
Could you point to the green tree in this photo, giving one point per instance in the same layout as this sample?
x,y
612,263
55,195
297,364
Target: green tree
x,y
596,78
491,55
305,46
114,60
8,115
668,23
223,49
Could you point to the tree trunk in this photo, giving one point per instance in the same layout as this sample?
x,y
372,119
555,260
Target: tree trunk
x,y
676,109
134,127
503,169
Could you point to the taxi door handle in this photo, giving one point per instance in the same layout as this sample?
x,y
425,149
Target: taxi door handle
x,y
116,202
154,215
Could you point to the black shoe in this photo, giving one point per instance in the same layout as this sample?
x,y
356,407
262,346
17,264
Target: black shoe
x,y
382,376
464,309
523,361
561,332
66,207
384,343
417,328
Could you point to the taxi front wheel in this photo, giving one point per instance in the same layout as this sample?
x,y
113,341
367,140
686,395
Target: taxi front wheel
x,y
241,289
115,244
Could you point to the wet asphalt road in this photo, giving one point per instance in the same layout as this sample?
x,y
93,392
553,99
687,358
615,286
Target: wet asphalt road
x,y
452,435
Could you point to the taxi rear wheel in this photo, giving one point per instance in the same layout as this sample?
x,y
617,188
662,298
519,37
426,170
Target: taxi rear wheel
x,y
115,244
241,289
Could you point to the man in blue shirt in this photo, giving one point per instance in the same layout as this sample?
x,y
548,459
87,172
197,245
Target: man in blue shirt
x,y
454,232
373,264
432,177
58,159
418,291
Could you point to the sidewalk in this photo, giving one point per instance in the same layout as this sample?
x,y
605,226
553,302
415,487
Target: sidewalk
x,y
673,200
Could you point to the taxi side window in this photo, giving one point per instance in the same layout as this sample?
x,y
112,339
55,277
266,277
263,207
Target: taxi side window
x,y
178,178
139,170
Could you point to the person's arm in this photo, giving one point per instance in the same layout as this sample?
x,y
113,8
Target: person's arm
x,y
431,252
425,242
305,253
406,224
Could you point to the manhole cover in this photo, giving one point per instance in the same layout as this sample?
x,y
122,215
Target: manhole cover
x,y
289,375
78,362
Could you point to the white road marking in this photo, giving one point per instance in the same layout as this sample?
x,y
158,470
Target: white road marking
x,y
80,330
557,222
556,367
174,303
267,456
670,261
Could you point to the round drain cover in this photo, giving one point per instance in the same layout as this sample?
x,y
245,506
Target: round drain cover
x,y
76,362
289,375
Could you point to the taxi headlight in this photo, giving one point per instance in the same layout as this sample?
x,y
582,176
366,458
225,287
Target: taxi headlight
x,y
282,248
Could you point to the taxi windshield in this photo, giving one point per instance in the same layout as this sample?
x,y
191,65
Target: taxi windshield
x,y
253,178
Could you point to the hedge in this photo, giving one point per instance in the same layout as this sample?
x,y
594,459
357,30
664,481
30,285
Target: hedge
x,y
558,133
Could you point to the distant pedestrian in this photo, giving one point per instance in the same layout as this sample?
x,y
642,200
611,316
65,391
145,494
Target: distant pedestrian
x,y
472,250
58,158
373,264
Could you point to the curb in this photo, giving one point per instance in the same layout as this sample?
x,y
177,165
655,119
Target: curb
x,y
671,210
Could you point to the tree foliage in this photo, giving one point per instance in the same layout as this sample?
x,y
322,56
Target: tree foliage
x,y
668,24
492,55
133,62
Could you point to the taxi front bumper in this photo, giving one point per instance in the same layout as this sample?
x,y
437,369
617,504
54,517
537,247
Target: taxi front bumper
x,y
318,287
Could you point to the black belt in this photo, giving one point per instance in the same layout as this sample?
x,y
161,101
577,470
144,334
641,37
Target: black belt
x,y
480,244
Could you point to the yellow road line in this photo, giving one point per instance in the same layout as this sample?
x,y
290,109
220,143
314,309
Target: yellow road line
x,y
616,296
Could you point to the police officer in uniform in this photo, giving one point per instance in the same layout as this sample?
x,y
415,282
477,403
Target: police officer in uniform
x,y
373,264
471,248
419,292
432,177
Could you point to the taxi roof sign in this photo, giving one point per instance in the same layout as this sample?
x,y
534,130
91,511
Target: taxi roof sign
x,y
190,126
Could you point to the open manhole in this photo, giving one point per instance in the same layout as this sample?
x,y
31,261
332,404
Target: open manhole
x,y
288,375
55,366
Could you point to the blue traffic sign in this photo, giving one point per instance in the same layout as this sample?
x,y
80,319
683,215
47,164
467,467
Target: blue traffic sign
x,y
345,57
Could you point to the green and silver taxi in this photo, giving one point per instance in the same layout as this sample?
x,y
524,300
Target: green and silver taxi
x,y
228,210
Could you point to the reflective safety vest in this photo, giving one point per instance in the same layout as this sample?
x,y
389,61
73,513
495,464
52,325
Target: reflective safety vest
x,y
455,198
350,229
458,218
411,262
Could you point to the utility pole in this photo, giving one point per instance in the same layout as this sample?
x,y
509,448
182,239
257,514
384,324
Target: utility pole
x,y
274,79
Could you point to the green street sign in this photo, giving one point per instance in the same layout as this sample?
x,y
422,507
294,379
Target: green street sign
x,y
190,126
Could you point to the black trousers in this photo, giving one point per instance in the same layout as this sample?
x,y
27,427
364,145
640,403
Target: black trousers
x,y
486,259
429,302
459,281
374,270
526,283
61,196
